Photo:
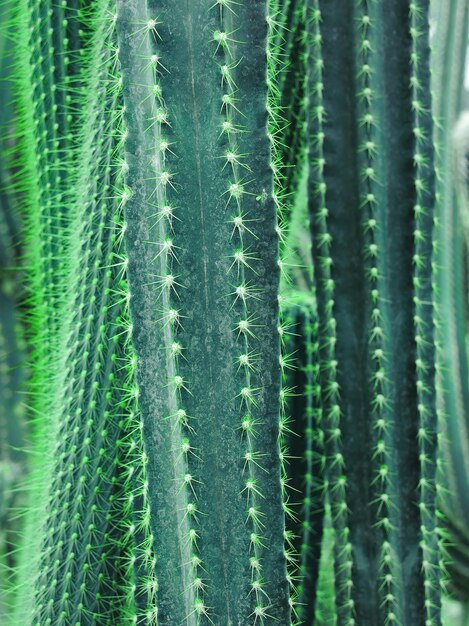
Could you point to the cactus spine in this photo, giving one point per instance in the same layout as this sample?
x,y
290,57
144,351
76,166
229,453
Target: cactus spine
x,y
375,302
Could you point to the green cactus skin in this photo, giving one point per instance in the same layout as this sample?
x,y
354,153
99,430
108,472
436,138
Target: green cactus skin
x,y
450,47
12,349
291,86
305,449
371,174
203,271
454,392
80,544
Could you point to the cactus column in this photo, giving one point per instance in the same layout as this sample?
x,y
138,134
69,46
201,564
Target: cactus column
x,y
203,272
371,203
452,138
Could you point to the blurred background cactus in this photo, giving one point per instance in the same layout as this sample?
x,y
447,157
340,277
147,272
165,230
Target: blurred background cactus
x,y
233,274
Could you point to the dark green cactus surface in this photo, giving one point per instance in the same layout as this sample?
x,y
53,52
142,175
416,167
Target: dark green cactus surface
x,y
370,127
451,135
305,448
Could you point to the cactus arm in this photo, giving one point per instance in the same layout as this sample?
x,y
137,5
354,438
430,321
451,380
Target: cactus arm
x,y
217,178
369,274
325,297
291,86
72,499
340,155
151,338
287,72
448,87
250,76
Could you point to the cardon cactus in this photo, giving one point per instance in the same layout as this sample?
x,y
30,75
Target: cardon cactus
x,y
452,137
199,424
304,447
371,198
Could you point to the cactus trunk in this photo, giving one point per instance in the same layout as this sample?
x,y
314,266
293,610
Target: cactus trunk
x,y
203,273
371,203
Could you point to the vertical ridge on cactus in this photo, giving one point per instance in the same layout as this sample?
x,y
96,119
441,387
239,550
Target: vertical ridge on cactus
x,y
450,47
305,450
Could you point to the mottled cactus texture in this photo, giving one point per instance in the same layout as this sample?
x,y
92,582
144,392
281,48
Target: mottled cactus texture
x,y
371,198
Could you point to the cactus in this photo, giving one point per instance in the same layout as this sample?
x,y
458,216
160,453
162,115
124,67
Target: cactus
x,y
203,275
204,433
304,450
371,195
454,361
73,554
451,135
289,50
12,372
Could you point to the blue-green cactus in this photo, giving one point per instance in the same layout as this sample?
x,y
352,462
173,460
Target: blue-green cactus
x,y
190,441
371,202
451,136
304,451
203,274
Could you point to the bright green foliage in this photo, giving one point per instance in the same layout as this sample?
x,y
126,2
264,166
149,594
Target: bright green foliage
x,y
371,195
